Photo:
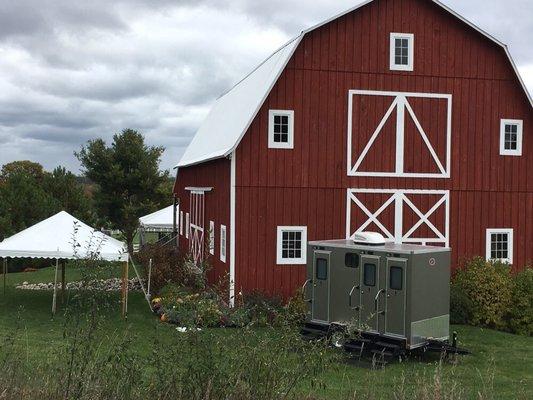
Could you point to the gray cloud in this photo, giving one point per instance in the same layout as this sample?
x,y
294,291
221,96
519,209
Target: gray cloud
x,y
72,71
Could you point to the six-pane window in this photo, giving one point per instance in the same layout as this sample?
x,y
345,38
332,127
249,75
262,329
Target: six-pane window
x,y
500,245
402,51
280,129
291,246
511,137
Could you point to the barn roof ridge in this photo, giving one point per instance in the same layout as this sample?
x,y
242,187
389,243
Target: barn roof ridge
x,y
196,151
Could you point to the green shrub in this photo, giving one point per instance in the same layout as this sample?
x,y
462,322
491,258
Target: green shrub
x,y
460,305
488,285
520,316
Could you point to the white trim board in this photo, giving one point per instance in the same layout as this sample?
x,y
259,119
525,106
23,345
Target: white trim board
x,y
401,105
399,197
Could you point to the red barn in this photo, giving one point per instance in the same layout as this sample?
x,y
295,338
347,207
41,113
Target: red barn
x,y
397,116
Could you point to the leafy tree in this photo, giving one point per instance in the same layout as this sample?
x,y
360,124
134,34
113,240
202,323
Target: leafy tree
x,y
129,183
63,185
23,198
29,194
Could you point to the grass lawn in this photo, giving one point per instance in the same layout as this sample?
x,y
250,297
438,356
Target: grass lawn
x,y
501,366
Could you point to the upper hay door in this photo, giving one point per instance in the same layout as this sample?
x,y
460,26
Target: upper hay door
x,y
399,134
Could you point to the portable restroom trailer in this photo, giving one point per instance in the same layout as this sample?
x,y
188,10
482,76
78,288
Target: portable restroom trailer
x,y
390,291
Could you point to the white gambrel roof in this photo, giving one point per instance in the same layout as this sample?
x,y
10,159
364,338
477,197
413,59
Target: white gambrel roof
x,y
63,237
234,111
161,220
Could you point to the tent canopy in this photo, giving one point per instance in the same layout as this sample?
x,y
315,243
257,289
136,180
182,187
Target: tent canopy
x,y
63,237
159,221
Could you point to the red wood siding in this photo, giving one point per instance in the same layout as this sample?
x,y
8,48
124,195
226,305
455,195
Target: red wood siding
x,y
215,174
307,185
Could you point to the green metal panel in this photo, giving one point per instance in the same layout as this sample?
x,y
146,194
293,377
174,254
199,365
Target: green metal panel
x,y
344,281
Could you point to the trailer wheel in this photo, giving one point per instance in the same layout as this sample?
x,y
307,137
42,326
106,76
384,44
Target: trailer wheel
x,y
337,336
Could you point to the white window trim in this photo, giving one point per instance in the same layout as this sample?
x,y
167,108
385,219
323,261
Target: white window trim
x,y
488,243
520,125
271,143
223,239
292,261
181,223
211,237
411,38
187,226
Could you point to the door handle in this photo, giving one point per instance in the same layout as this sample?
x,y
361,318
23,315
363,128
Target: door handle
x,y
307,282
350,298
376,299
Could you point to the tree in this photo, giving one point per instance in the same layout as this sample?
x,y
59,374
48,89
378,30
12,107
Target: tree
x,y
129,183
23,198
29,194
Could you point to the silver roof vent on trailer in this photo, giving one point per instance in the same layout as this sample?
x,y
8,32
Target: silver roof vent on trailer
x,y
369,238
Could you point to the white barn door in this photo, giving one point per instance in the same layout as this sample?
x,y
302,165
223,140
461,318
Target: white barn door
x,y
196,226
401,216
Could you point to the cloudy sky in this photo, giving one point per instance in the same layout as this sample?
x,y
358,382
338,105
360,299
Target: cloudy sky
x,y
75,70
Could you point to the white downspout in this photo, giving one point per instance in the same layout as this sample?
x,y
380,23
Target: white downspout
x,y
232,233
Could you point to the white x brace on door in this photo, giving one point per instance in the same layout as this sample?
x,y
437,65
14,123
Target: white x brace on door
x,y
196,234
403,110
401,201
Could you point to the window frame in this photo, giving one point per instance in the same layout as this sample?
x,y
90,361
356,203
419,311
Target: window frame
x,y
279,246
510,244
223,243
410,55
187,225
276,145
519,136
212,237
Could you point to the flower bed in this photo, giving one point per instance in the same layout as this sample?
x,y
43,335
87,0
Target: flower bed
x,y
206,309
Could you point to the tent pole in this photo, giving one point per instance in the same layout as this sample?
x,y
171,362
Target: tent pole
x,y
5,274
125,290
149,276
63,262
55,289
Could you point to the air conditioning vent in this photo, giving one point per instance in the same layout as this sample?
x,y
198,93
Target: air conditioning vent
x,y
369,238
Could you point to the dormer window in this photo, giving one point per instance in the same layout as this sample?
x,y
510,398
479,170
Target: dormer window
x,y
401,51
511,137
281,129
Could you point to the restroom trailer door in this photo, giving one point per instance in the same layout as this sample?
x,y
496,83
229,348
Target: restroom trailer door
x,y
321,286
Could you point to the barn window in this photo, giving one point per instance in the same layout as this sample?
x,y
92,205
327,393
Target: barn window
x,y
401,51
223,243
291,245
281,129
500,245
187,225
211,237
511,137
181,223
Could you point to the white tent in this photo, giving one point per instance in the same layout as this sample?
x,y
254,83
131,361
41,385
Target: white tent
x,y
159,221
63,237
